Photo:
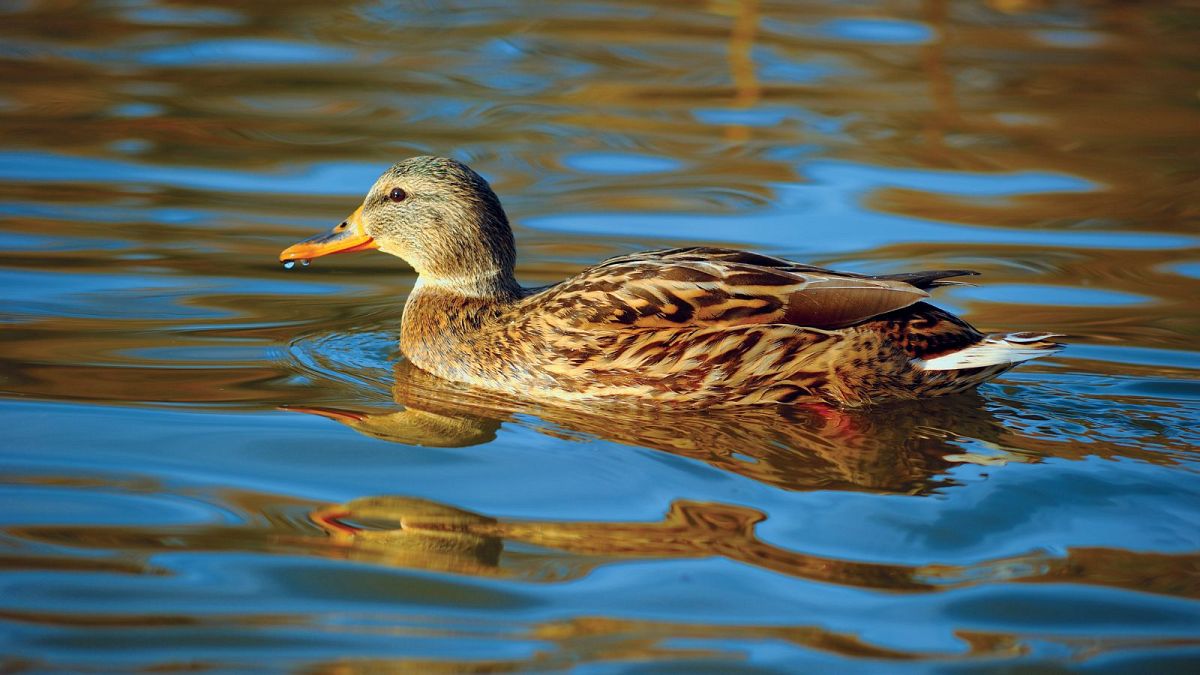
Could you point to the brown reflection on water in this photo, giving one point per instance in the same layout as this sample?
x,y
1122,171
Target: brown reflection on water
x,y
410,533
900,449
413,533
904,448
741,66
404,532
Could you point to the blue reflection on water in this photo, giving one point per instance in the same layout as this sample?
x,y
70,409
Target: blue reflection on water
x,y
183,16
888,31
1045,294
1070,38
773,66
236,52
1144,356
10,241
1187,269
856,177
27,505
619,163
758,116
136,294
136,109
331,178
773,116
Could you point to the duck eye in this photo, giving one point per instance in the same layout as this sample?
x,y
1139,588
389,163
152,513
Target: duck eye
x,y
397,195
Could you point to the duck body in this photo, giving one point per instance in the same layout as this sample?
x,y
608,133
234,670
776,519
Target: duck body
x,y
690,327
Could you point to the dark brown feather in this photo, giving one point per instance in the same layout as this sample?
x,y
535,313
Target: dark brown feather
x,y
929,279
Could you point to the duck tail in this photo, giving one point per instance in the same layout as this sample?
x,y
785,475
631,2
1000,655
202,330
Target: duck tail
x,y
997,350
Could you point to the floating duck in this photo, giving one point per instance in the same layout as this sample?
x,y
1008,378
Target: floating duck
x,y
683,327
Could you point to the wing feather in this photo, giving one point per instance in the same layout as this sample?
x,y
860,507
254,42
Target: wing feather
x,y
714,287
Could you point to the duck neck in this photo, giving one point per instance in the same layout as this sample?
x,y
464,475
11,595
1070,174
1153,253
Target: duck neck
x,y
496,286
443,315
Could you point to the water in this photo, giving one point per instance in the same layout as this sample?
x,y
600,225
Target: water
x,y
210,462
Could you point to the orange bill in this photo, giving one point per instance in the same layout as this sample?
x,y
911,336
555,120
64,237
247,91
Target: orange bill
x,y
347,237
329,518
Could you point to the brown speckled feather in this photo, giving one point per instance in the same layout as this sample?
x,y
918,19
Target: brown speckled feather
x,y
712,287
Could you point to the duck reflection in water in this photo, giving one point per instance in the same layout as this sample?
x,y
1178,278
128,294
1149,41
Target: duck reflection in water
x,y
902,448
405,532
411,532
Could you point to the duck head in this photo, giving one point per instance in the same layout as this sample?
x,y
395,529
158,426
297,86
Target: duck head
x,y
436,213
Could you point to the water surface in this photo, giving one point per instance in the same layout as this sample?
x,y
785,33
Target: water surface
x,y
212,463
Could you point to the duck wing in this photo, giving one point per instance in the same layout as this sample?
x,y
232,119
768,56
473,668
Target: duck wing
x,y
713,287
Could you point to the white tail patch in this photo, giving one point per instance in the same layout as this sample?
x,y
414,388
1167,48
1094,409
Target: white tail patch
x,y
996,351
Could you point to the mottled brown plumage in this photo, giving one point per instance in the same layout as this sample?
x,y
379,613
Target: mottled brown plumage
x,y
691,327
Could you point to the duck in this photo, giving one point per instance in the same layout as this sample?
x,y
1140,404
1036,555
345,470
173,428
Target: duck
x,y
695,327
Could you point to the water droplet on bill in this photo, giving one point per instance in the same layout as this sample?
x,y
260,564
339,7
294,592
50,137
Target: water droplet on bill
x,y
289,264
306,262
